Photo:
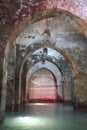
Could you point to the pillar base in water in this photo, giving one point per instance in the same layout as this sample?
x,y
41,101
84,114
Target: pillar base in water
x,y
2,116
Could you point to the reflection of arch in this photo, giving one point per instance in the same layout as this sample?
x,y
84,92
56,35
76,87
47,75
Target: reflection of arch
x,y
34,68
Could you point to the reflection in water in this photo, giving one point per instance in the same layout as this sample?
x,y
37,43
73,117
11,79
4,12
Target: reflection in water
x,y
47,116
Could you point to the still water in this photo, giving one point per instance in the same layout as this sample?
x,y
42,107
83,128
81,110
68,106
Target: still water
x,y
45,116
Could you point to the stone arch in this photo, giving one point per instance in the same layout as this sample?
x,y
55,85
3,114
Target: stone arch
x,y
31,49
15,33
35,47
55,61
30,73
39,16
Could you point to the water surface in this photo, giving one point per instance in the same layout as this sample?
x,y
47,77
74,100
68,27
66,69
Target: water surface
x,y
45,116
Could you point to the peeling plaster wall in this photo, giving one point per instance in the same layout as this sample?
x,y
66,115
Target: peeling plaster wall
x,y
64,33
62,29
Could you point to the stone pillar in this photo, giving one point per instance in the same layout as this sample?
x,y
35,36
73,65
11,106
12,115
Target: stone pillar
x,y
23,86
11,79
7,93
81,92
63,98
17,70
4,89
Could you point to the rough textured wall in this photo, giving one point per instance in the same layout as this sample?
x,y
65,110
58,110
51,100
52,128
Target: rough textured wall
x,y
19,9
42,87
64,33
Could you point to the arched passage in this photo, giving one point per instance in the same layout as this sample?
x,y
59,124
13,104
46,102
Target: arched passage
x,y
61,68
42,87
5,65
52,69
61,63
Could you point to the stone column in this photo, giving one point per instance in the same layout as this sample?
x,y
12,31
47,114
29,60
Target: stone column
x,y
4,89
11,79
17,70
80,82
7,93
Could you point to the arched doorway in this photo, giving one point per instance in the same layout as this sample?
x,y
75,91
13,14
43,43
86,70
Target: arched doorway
x,y
61,64
42,87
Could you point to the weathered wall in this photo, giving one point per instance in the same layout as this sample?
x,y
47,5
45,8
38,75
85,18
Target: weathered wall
x,y
64,33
